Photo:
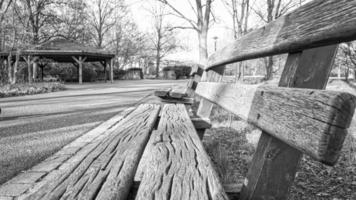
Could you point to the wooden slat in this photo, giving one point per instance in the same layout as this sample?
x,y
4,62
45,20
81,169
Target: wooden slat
x,y
318,23
178,92
275,163
104,169
50,164
197,70
200,123
164,92
179,167
184,100
215,75
305,119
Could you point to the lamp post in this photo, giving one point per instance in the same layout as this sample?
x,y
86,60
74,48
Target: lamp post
x,y
215,41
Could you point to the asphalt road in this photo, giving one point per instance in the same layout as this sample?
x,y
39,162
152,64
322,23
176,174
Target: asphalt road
x,y
33,127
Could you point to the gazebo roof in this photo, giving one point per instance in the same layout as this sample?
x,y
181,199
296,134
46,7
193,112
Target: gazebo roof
x,y
62,50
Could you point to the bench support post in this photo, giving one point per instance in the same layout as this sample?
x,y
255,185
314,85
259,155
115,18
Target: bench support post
x,y
80,61
205,107
275,163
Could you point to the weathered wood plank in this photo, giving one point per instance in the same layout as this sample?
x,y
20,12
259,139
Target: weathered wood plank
x,y
214,75
275,163
318,23
164,92
178,166
305,119
184,100
178,92
197,70
205,106
145,159
104,169
46,167
200,123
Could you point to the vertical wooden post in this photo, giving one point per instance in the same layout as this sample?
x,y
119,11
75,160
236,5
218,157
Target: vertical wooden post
x,y
42,73
29,62
9,68
275,163
112,70
80,62
105,71
34,70
80,70
214,75
205,107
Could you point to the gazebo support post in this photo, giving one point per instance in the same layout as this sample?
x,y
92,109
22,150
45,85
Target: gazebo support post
x,y
104,64
105,71
34,70
9,68
29,61
112,70
80,60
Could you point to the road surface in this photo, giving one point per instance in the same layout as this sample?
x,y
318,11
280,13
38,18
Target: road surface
x,y
34,127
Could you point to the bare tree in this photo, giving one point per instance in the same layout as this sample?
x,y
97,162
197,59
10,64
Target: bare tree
x,y
105,18
200,24
272,10
163,38
348,58
74,21
4,7
41,17
240,12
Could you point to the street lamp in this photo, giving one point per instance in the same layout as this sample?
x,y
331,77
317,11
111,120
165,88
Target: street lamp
x,y
215,41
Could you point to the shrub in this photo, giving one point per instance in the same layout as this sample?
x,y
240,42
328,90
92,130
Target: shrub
x,y
25,89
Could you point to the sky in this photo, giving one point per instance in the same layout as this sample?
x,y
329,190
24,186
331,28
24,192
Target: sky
x,y
222,29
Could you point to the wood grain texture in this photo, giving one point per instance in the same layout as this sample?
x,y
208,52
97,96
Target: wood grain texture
x,y
304,118
200,123
164,92
215,75
179,167
184,100
178,92
318,23
104,169
197,70
52,163
275,163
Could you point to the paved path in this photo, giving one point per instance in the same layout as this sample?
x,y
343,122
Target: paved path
x,y
33,127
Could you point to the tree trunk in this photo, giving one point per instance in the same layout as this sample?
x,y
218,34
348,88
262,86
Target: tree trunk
x,y
269,68
2,38
14,78
203,47
347,71
9,69
158,60
241,72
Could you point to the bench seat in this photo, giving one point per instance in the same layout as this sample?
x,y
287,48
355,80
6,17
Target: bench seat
x,y
175,164
102,163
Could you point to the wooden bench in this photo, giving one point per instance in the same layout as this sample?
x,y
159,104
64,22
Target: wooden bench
x,y
153,151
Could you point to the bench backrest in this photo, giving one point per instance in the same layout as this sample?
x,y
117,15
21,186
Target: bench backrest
x,y
293,121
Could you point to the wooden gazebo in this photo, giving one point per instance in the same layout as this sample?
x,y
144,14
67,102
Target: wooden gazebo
x,y
62,51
